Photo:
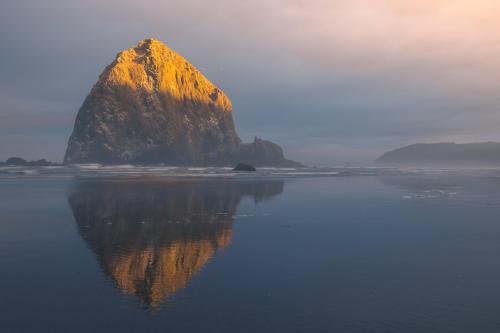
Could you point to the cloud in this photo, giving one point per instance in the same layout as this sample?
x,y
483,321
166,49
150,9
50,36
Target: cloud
x,y
356,77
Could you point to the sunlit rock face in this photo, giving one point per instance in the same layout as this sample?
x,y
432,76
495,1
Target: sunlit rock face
x,y
152,106
152,238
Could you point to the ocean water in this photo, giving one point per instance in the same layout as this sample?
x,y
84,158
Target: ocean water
x,y
128,249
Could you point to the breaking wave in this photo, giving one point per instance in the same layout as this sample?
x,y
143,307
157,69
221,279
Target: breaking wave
x,y
96,170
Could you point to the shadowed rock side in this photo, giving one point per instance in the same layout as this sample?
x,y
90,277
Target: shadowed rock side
x,y
152,106
151,238
263,153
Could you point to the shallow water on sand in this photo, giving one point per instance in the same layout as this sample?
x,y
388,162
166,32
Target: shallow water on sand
x,y
362,251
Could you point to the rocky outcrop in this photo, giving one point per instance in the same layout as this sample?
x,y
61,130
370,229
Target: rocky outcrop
x,y
18,161
264,153
244,167
152,106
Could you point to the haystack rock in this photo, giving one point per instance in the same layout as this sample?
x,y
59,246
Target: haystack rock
x,y
152,106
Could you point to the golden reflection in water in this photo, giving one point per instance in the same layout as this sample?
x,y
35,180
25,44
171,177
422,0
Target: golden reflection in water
x,y
152,238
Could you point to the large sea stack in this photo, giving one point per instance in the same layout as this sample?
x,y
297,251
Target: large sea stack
x,y
152,106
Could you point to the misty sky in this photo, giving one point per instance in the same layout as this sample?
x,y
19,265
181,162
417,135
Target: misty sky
x,y
331,81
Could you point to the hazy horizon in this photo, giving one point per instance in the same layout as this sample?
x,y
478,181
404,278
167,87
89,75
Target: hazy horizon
x,y
331,82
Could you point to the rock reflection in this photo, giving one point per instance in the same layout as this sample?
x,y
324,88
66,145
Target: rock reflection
x,y
151,238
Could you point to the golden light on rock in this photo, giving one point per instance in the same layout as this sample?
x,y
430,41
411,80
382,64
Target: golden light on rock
x,y
156,274
153,67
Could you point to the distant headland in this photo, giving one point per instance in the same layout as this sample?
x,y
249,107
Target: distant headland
x,y
481,154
